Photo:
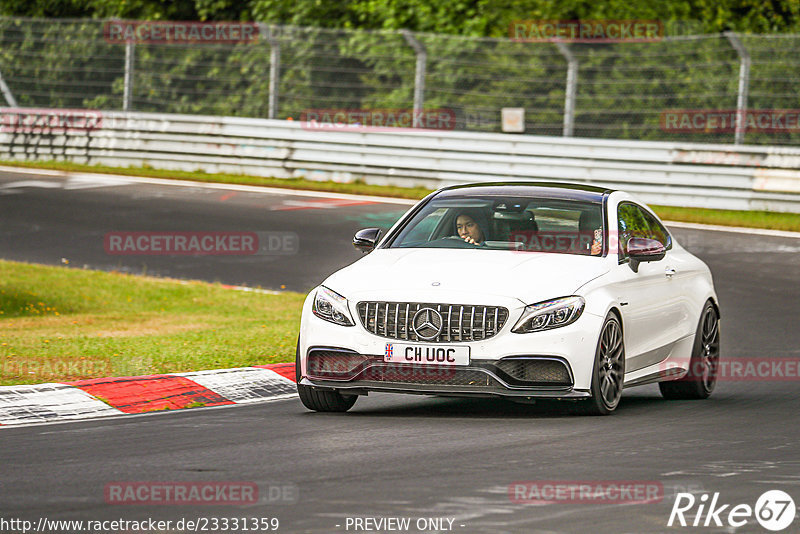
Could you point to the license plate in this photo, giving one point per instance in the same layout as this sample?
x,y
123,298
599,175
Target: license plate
x,y
426,354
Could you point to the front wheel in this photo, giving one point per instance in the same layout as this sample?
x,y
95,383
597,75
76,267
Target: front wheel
x,y
701,379
320,400
608,373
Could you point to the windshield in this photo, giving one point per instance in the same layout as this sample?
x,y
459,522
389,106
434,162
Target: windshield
x,y
507,223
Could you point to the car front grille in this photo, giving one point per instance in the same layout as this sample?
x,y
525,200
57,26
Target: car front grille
x,y
459,322
536,370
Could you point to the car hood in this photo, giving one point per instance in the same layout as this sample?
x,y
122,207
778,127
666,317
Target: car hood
x,y
464,276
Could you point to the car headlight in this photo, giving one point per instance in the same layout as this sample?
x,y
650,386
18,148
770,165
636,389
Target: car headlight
x,y
550,314
332,307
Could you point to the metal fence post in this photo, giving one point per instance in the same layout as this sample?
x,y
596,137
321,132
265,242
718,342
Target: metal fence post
x,y
127,90
571,89
7,92
744,83
419,76
274,69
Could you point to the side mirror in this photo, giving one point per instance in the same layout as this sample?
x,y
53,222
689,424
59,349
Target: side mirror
x,y
366,239
641,249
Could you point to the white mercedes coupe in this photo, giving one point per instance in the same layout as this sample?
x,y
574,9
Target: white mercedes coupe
x,y
513,290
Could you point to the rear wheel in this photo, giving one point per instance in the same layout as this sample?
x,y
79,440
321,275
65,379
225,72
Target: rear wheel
x,y
321,400
701,379
609,369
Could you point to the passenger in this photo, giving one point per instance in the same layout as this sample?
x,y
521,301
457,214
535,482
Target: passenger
x,y
590,228
472,226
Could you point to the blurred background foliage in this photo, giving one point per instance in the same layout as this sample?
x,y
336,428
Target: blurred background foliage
x,y
350,54
475,18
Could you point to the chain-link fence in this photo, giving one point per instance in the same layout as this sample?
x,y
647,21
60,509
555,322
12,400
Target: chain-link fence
x,y
675,88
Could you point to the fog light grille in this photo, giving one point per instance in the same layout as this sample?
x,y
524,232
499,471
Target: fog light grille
x,y
536,370
335,364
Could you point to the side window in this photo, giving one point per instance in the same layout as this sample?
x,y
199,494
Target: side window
x,y
634,221
657,231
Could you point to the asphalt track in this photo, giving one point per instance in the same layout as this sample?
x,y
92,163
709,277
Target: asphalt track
x,y
397,456
47,219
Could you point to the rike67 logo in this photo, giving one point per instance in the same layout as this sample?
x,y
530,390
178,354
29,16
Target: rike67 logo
x,y
774,510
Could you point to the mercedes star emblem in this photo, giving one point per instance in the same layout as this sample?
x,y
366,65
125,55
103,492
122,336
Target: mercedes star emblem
x,y
427,323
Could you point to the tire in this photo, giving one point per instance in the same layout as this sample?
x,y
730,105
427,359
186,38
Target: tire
x,y
701,379
321,400
608,372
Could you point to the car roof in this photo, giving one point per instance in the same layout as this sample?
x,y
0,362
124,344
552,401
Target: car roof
x,y
556,190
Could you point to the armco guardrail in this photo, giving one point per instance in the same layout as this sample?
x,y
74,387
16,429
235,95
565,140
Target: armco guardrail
x,y
701,175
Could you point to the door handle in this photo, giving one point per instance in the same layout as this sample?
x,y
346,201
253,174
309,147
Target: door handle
x,y
670,271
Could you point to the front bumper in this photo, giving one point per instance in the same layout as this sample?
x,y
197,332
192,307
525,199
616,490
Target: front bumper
x,y
574,345
349,372
447,390
363,388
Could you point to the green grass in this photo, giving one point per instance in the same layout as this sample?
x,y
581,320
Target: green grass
x,y
750,219
59,323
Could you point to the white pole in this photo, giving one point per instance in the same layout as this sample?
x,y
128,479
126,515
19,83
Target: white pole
x,y
570,90
7,92
744,83
419,76
127,91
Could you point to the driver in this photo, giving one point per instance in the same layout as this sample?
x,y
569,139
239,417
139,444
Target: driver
x,y
472,226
